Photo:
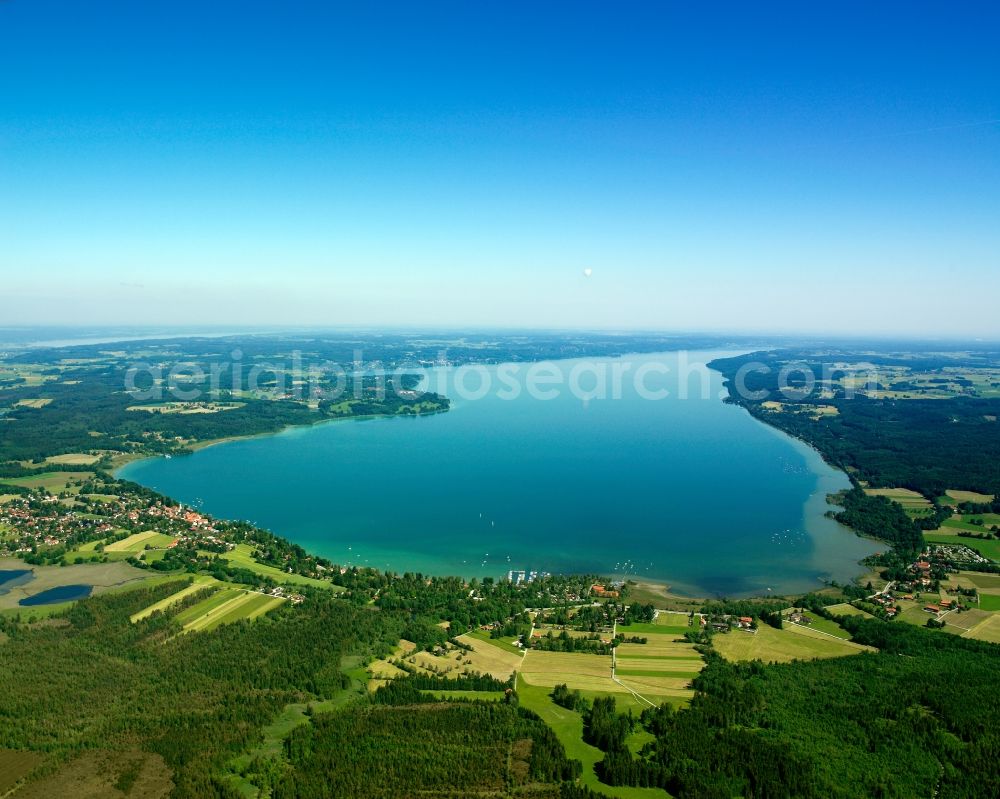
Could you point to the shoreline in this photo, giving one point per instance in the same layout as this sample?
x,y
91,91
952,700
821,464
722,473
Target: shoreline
x,y
127,459
660,587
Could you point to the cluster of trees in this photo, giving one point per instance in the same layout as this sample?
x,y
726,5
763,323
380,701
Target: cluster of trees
x,y
564,642
391,748
569,698
606,728
636,613
496,602
881,518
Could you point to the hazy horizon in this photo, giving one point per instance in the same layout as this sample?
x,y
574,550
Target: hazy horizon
x,y
771,170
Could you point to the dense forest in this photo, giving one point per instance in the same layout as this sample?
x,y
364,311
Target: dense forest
x,y
920,718
88,409
404,744
95,681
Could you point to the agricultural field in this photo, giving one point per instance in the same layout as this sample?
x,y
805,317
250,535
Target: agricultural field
x,y
661,670
242,556
507,644
912,611
794,642
665,623
188,407
53,482
226,606
983,583
138,542
73,459
989,602
956,523
199,582
450,661
489,659
33,403
913,503
576,669
381,670
846,609
644,674
986,630
815,411
969,496
966,621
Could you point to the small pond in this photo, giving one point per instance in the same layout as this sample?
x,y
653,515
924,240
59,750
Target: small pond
x,y
62,593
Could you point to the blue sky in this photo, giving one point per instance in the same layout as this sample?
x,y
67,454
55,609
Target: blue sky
x,y
825,167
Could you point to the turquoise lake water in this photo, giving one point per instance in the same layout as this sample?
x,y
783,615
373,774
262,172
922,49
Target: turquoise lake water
x,y
689,491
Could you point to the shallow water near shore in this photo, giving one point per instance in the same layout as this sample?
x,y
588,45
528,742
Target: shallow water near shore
x,y
690,491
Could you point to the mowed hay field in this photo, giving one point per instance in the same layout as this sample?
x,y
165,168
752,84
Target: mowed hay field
x,y
660,670
782,646
986,630
73,459
576,669
968,496
489,659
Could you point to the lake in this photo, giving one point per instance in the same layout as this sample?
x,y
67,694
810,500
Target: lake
x,y
62,593
10,578
685,490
